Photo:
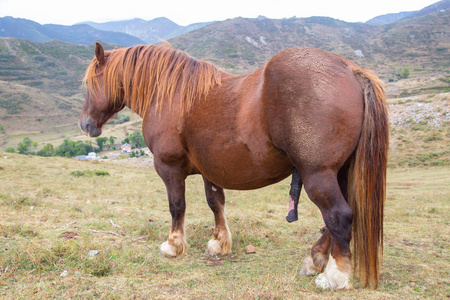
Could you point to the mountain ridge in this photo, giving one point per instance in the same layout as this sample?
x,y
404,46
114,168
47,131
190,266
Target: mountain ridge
x,y
395,17
75,34
138,31
152,31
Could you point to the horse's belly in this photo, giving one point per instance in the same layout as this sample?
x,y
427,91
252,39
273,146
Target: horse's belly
x,y
239,168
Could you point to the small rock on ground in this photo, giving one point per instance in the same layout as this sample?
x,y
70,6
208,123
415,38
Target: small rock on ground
x,y
250,249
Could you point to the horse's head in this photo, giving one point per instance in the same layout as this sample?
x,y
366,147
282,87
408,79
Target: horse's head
x,y
97,107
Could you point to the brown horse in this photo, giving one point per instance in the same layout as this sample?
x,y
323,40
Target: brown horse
x,y
306,109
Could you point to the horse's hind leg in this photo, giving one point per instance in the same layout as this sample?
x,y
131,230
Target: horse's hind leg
x,y
221,242
324,190
320,252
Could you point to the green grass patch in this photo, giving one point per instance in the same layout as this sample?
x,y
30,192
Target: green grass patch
x,y
89,173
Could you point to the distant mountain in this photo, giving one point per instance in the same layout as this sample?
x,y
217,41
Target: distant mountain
x,y
440,6
241,45
389,18
395,17
75,34
151,32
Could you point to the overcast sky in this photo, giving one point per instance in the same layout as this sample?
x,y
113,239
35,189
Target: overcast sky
x,y
185,12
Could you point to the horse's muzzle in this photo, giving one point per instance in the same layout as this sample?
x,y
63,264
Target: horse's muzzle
x,y
89,129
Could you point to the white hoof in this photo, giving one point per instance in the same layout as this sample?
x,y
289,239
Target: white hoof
x,y
308,268
332,278
214,247
168,250
322,281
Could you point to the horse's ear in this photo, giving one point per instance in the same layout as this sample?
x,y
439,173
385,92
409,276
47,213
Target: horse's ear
x,y
99,53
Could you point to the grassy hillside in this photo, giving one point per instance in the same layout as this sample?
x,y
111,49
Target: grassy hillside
x,y
50,220
23,115
40,89
54,67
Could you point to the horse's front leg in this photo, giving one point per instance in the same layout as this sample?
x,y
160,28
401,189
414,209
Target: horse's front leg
x,y
174,180
221,242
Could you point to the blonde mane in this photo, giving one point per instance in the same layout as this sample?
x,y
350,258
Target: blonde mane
x,y
147,74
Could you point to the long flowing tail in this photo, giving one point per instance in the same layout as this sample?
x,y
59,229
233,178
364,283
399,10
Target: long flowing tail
x,y
367,181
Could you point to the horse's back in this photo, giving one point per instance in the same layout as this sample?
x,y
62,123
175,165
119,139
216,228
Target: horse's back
x,y
313,106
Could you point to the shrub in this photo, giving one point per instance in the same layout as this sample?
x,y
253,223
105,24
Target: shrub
x,y
404,73
10,150
78,173
101,173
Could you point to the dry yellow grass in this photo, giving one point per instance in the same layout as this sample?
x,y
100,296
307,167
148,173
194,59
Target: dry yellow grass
x,y
47,214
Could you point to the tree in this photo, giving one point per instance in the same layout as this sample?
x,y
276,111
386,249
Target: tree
x,y
27,141
24,146
100,142
64,148
47,151
111,141
70,148
136,139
